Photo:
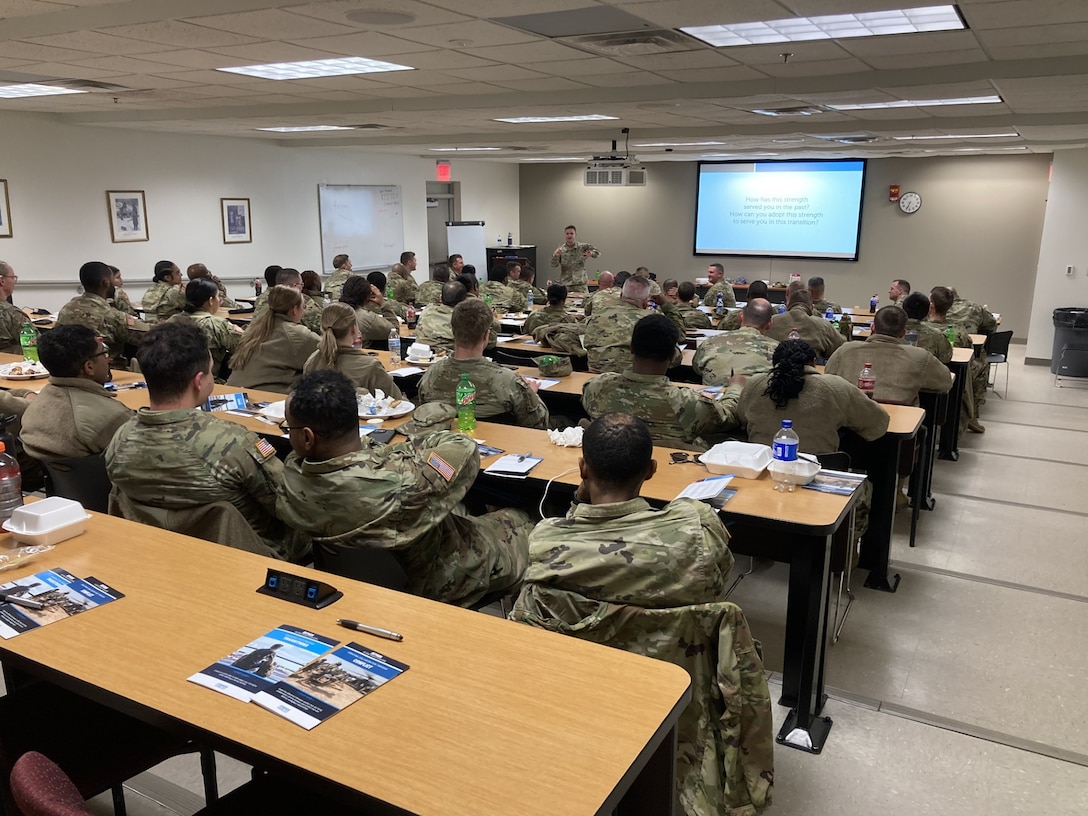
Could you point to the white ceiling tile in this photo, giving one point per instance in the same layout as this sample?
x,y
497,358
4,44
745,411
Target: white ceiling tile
x,y
494,73
1038,50
677,13
540,85
148,81
363,44
180,34
474,34
416,79
39,53
132,65
95,43
1030,35
472,88
218,78
424,13
702,58
891,62
271,24
936,42
211,91
530,52
400,93
58,70
272,52
197,59
1017,14
579,67
506,8
442,60
761,55
736,73
632,79
26,8
810,68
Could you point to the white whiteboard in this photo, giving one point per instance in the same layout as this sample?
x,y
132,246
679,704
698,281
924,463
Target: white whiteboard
x,y
363,221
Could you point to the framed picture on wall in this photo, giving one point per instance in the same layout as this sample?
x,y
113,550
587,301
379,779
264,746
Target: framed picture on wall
x,y
5,210
237,228
128,215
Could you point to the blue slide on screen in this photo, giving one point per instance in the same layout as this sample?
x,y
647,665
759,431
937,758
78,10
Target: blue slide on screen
x,y
786,209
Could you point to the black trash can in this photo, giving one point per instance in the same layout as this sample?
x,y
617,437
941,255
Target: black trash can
x,y
1069,355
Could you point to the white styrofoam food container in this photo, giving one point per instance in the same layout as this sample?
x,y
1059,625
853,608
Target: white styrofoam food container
x,y
799,472
48,521
744,459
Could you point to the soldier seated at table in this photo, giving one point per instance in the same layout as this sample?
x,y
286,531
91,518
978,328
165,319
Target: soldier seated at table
x,y
554,312
92,309
503,298
677,417
340,351
746,350
608,330
798,318
405,498
693,317
901,371
652,581
820,305
928,336
73,416
173,456
500,392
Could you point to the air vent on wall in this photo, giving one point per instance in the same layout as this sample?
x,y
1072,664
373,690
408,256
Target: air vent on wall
x,y
615,177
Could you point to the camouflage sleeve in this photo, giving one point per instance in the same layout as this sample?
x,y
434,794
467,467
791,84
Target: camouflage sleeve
x,y
715,536
528,407
987,323
593,251
436,471
518,301
372,326
117,323
592,394
555,260
713,416
671,311
11,325
259,472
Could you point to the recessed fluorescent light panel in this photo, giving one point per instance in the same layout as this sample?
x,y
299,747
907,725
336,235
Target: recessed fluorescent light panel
x,y
19,91
532,120
831,27
679,144
921,103
956,136
304,128
461,149
316,68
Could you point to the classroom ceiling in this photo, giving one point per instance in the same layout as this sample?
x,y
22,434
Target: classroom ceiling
x,y
151,65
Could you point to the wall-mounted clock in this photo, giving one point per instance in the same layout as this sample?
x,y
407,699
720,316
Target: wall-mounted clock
x,y
910,203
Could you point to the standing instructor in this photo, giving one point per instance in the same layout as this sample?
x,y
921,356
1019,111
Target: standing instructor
x,y
570,257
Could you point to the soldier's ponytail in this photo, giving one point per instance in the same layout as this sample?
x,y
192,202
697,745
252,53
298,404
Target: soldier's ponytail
x,y
787,378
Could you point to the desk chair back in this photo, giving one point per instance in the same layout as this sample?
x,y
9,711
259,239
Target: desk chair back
x,y
40,788
368,564
83,479
997,353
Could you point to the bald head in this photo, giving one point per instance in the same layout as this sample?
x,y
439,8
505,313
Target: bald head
x,y
636,291
197,270
606,280
757,314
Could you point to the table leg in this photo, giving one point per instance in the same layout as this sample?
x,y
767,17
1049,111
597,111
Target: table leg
x,y
950,431
806,644
653,792
936,406
876,544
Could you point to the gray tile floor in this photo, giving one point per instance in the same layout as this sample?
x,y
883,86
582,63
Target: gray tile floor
x,y
962,693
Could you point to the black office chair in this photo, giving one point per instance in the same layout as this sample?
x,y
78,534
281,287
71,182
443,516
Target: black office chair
x,y
368,564
996,350
83,479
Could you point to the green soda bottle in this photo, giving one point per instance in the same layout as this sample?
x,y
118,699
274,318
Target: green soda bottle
x,y
389,292
28,339
466,405
950,336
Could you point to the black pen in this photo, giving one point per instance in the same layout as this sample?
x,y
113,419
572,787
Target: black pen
x,y
370,630
19,600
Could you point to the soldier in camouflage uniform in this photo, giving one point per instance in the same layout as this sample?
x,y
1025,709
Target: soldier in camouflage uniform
x,y
691,315
715,273
342,264
311,311
570,257
500,392
201,307
655,288
404,498
972,317
608,330
12,319
164,297
901,370
172,455
503,298
820,306
815,331
199,270
555,312
618,572
898,291
120,300
932,339
430,291
92,309
405,288
677,417
940,302
528,276
607,292
746,350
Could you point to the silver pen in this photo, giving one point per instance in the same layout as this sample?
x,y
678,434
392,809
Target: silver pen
x,y
19,600
370,630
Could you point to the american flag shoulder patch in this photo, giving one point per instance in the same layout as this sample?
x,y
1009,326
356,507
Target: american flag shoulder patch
x,y
444,468
264,448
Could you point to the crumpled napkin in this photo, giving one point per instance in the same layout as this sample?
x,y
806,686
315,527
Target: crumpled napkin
x,y
568,437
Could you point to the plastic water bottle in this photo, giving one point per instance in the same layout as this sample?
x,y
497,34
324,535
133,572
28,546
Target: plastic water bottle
x,y
794,335
784,449
327,299
781,308
28,339
829,314
499,239
466,405
258,286
911,338
719,307
867,380
394,345
490,301
529,297
874,301
410,316
509,239
653,305
11,484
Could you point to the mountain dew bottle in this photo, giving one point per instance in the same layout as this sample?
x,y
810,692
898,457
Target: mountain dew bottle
x,y
466,405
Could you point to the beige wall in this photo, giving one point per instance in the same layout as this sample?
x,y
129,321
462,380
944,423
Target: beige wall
x,y
978,229
58,176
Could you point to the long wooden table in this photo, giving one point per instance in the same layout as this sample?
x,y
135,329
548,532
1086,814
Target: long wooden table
x,y
492,716
806,518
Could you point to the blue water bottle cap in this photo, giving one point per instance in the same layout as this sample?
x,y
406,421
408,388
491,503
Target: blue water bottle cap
x,y
787,423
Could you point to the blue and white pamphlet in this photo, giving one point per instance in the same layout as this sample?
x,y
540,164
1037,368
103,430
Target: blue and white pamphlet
x,y
262,663
62,595
317,691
